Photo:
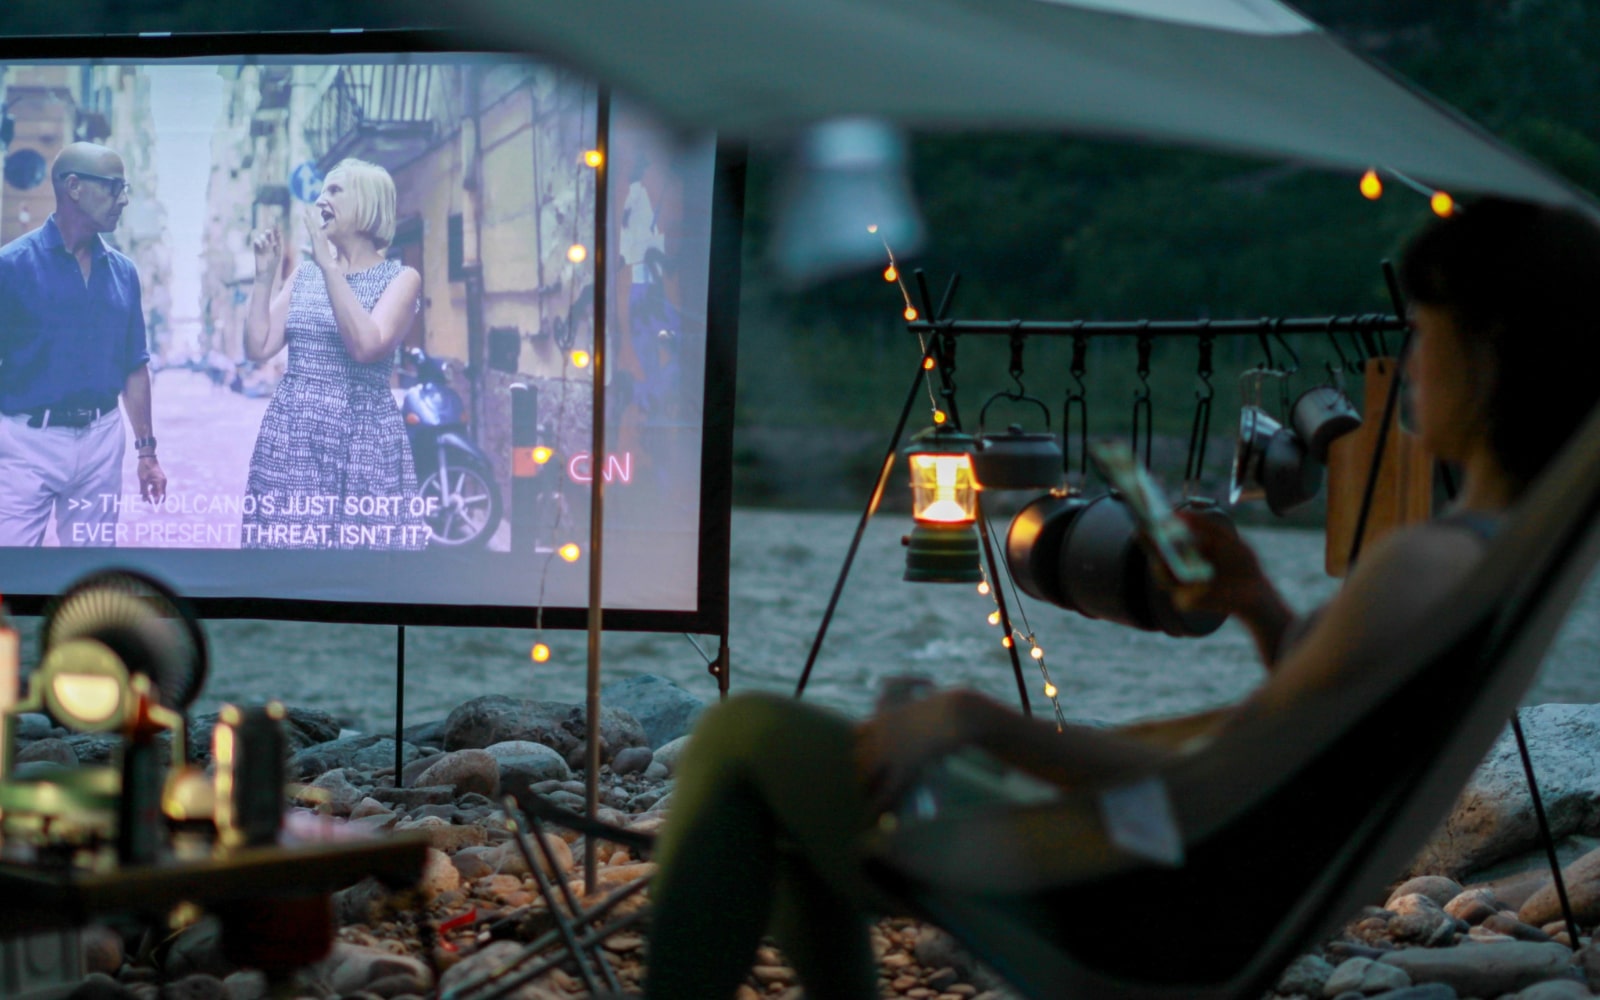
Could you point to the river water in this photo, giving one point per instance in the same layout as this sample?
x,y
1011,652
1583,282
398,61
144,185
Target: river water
x,y
784,564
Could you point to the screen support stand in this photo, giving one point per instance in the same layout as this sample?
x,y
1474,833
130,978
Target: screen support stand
x,y
597,449
399,702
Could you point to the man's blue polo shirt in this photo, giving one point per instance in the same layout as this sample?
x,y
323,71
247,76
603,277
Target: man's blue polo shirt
x,y
63,341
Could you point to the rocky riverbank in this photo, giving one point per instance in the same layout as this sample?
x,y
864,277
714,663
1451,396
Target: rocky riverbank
x,y
1434,937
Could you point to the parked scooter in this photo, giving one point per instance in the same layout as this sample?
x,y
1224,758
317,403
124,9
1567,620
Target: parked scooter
x,y
454,475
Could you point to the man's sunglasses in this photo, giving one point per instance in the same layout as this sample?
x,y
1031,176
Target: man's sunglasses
x,y
116,185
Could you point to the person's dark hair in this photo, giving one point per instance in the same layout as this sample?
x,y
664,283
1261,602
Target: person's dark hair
x,y
1519,280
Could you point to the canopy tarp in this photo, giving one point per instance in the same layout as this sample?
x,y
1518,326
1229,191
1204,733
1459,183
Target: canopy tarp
x,y
1244,76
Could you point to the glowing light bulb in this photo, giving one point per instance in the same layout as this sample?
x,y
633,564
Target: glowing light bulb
x,y
939,416
872,228
890,274
593,157
1036,653
910,313
540,652
542,454
1005,641
994,618
1049,690
570,551
1442,204
927,364
1371,185
577,253
983,588
580,358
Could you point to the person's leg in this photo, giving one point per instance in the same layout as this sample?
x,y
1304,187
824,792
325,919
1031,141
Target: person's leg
x,y
761,771
27,493
88,511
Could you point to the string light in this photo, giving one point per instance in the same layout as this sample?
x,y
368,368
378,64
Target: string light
x,y
542,454
570,552
910,314
1371,185
540,652
1442,204
872,228
580,358
577,253
593,158
1049,690
891,273
994,618
1036,652
983,587
939,416
927,364
1006,641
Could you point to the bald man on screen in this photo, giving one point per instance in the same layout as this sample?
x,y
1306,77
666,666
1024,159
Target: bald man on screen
x,y
72,342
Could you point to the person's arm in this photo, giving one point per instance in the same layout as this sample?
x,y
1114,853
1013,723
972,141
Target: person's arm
x,y
268,310
136,401
1240,588
368,337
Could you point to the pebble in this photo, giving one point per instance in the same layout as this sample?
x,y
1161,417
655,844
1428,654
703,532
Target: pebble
x,y
1477,970
1363,975
464,771
1473,905
1438,889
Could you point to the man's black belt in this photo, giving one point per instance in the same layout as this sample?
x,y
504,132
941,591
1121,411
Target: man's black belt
x,y
81,415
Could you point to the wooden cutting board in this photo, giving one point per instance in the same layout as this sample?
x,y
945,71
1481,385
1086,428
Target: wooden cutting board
x,y
1404,493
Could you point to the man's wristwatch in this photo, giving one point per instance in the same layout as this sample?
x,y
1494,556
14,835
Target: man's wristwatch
x,y
140,444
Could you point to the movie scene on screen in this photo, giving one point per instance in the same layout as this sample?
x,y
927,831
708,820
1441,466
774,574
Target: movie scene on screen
x,y
363,292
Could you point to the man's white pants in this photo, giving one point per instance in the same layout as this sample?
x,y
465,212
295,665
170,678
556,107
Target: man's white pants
x,y
73,472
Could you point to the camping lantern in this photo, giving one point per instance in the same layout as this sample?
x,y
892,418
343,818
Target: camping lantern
x,y
943,546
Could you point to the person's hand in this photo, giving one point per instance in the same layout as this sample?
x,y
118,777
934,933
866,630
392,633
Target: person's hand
x,y
892,748
269,253
321,250
152,481
1238,584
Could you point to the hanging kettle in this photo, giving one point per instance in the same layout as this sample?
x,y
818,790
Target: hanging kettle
x,y
1016,459
1321,415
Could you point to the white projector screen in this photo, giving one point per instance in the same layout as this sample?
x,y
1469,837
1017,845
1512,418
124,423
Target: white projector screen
x,y
310,482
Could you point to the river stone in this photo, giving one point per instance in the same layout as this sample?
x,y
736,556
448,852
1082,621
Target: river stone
x,y
1473,905
33,726
247,984
525,764
1555,989
668,755
368,752
487,960
444,835
196,987
1427,991
354,966
664,710
1363,975
94,748
496,718
425,734
197,949
618,730
1306,975
631,761
1493,817
1436,887
1583,892
342,795
1419,920
98,986
1484,970
1505,923
438,875
50,750
466,771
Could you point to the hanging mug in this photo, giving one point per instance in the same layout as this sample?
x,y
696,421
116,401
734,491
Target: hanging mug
x,y
1321,415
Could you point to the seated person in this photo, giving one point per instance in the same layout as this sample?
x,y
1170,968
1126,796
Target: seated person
x,y
775,797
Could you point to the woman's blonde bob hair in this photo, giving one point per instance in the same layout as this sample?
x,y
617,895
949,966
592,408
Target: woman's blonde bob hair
x,y
373,190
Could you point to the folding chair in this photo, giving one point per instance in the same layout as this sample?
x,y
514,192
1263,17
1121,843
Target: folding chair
x,y
1304,816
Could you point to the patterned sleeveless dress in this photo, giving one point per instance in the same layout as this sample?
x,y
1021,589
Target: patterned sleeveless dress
x,y
332,466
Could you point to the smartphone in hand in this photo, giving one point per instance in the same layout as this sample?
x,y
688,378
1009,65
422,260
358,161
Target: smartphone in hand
x,y
1171,539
